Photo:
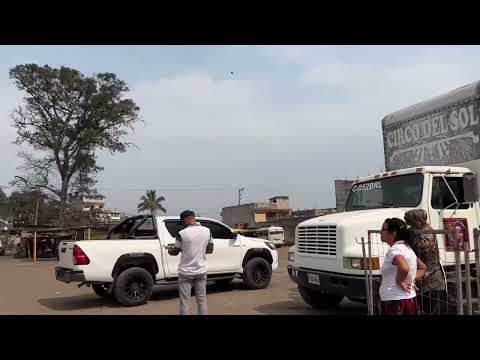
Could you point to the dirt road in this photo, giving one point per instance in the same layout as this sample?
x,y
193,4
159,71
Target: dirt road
x,y
28,288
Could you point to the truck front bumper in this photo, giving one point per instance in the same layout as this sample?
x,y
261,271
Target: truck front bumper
x,y
339,284
69,275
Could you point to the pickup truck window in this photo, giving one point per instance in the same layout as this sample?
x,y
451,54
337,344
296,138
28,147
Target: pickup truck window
x,y
218,231
146,230
174,227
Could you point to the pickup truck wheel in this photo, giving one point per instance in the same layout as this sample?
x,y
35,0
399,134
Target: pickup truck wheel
x,y
257,273
133,287
318,299
101,290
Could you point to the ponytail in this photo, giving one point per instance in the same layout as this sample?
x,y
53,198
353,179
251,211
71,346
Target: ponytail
x,y
399,227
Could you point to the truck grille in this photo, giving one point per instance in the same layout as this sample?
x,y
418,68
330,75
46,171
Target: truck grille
x,y
317,240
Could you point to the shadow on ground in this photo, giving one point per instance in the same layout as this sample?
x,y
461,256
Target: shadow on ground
x,y
296,306
92,301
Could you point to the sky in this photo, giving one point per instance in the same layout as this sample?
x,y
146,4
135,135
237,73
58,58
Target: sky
x,y
288,121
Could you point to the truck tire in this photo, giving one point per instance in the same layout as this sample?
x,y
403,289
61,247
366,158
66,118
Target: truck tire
x,y
101,290
319,300
257,273
133,287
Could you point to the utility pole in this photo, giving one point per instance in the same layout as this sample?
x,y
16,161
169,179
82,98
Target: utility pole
x,y
35,233
240,191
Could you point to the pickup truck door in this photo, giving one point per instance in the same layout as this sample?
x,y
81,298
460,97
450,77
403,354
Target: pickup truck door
x,y
227,252
227,249
168,233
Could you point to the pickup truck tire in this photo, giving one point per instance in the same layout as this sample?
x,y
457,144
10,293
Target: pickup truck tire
x,y
318,299
133,287
257,273
101,290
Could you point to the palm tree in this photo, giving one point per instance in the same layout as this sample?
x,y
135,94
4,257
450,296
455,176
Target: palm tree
x,y
150,202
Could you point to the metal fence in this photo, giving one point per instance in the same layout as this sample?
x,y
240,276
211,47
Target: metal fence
x,y
459,267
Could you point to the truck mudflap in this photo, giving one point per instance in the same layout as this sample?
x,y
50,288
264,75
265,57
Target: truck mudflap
x,y
339,284
68,275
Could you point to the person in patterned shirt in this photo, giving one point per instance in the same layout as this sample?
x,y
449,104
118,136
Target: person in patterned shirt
x,y
432,294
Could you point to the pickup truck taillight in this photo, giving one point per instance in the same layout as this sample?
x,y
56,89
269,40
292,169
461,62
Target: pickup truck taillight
x,y
79,257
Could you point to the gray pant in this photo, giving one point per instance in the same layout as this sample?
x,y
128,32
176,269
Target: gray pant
x,y
199,283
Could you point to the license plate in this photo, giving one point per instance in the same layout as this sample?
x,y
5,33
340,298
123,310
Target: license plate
x,y
313,279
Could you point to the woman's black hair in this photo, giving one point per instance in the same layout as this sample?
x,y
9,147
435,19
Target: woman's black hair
x,y
399,227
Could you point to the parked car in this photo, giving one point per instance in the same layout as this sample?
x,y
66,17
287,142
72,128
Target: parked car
x,y
134,258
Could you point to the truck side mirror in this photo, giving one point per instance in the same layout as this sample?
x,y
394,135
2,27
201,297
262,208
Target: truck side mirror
x,y
470,192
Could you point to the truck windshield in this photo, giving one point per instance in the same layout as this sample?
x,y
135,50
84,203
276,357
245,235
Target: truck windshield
x,y
396,191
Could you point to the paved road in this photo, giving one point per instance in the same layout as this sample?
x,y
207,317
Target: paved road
x,y
28,288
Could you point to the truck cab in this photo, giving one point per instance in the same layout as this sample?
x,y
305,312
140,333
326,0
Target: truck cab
x,y
327,263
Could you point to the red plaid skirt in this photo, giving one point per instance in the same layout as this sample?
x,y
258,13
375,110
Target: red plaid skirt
x,y
401,307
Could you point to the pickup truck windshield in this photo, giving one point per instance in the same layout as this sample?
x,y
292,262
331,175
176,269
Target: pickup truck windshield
x,y
396,191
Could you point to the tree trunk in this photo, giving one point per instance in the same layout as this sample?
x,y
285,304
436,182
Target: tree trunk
x,y
63,204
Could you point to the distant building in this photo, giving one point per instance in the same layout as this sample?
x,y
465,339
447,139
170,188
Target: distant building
x,y
109,216
95,204
90,202
249,215
342,187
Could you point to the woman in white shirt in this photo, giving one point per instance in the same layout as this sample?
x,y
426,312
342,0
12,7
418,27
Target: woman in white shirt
x,y
400,269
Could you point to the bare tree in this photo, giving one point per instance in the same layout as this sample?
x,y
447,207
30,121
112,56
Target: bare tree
x,y
65,119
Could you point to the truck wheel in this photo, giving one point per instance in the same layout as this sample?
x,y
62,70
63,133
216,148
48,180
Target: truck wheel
x,y
257,273
133,287
319,300
101,290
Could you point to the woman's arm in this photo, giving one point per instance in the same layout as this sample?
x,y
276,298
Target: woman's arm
x,y
402,272
421,270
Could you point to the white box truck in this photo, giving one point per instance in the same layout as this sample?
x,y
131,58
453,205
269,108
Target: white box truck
x,y
431,157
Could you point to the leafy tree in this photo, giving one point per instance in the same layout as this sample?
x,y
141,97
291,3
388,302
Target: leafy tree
x,y
151,203
66,118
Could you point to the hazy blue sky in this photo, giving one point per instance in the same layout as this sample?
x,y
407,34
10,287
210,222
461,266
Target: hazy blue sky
x,y
289,120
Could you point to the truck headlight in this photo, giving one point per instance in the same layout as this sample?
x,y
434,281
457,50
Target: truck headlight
x,y
358,263
291,256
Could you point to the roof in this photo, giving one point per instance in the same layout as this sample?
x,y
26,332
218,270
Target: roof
x,y
420,169
453,97
279,197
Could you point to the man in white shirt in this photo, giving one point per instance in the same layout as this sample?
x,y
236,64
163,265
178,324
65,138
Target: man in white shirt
x,y
194,242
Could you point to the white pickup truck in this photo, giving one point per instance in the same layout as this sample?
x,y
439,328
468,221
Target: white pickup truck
x,y
135,257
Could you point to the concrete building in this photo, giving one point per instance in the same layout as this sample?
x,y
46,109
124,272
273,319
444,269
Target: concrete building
x,y
90,202
342,187
108,216
250,215
95,204
275,212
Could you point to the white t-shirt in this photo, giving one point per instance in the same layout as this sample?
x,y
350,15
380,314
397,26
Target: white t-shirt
x,y
389,290
192,242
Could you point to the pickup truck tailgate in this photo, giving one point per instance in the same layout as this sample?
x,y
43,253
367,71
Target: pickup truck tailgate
x,y
65,255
